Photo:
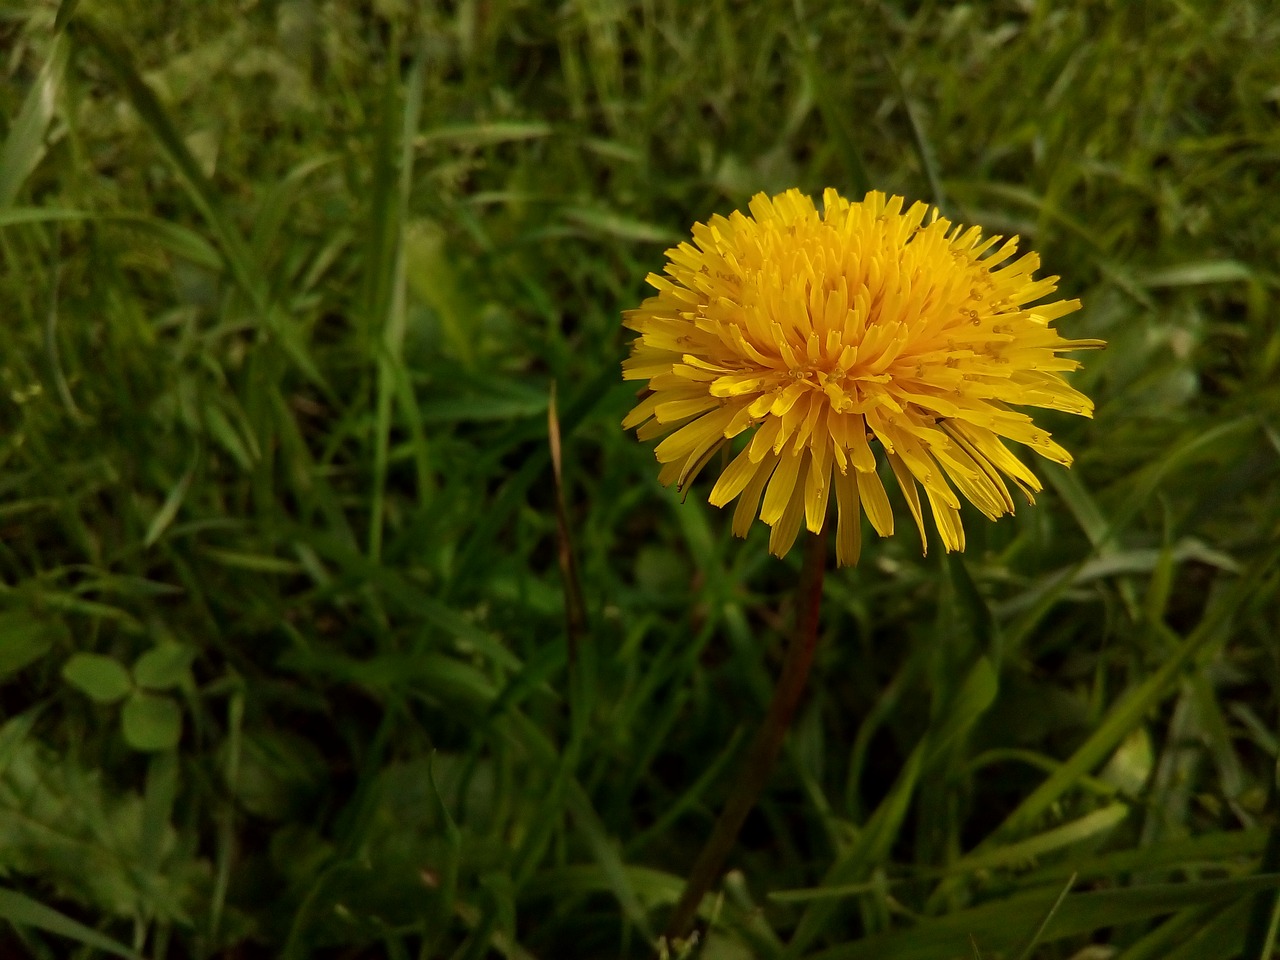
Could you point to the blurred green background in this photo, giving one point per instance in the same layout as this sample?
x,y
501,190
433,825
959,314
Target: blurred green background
x,y
286,287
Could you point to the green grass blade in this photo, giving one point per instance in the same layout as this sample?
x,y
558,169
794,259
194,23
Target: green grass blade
x,y
66,10
606,854
1002,924
924,149
447,880
22,911
834,116
1130,710
24,147
1025,953
1026,851
156,117
1264,916
872,846
169,508
386,267
1220,938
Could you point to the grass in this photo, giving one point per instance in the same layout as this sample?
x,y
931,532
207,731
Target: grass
x,y
284,663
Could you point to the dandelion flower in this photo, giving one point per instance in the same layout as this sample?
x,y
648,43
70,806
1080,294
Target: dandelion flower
x,y
827,340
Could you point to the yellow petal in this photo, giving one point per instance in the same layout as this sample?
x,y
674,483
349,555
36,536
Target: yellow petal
x,y
784,532
696,436
907,483
876,502
763,440
642,411
947,519
986,446
975,484
849,522
695,464
749,501
644,364
734,479
652,429
782,489
672,410
921,464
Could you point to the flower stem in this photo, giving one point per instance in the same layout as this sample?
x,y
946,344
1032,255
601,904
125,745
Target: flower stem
x,y
766,746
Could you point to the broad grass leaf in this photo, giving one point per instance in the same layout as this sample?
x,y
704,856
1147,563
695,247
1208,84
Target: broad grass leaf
x,y
1130,766
483,134
1221,938
24,147
435,280
653,887
1208,932
976,695
1226,849
1084,507
1197,273
1091,825
999,925
66,10
178,240
613,224
257,562
169,509
22,911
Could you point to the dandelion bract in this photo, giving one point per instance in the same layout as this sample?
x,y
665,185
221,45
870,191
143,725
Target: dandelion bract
x,y
829,340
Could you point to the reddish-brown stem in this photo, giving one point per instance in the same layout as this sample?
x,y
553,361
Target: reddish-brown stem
x,y
766,746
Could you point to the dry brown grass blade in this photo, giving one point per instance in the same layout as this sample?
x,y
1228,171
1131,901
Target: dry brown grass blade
x,y
575,608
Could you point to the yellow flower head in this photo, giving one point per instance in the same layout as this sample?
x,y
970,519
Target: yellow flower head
x,y
829,334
